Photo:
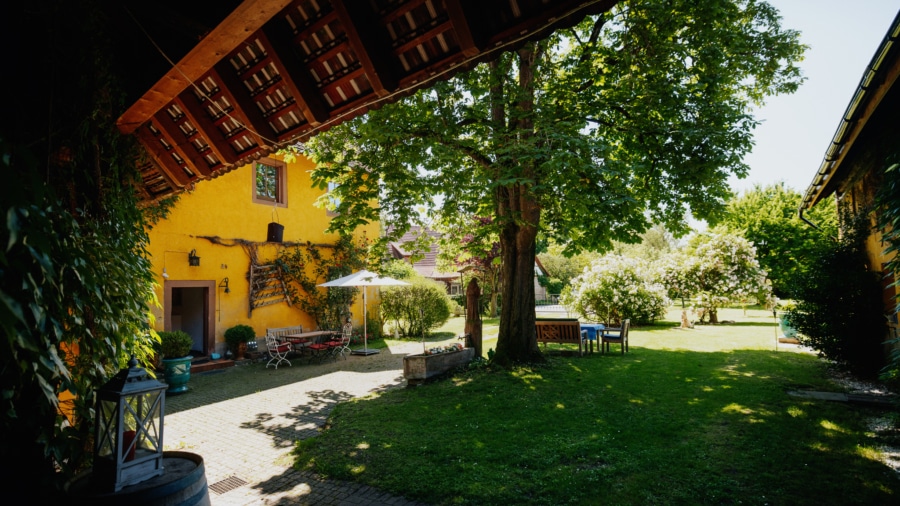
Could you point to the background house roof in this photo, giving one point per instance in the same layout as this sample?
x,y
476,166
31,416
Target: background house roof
x,y
257,75
427,265
877,86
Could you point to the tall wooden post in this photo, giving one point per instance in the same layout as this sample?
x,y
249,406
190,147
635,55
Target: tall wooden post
x,y
473,315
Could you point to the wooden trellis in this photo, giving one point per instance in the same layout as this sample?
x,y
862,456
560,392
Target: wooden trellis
x,y
267,284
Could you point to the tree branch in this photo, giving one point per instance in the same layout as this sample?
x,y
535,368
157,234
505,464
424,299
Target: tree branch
x,y
469,151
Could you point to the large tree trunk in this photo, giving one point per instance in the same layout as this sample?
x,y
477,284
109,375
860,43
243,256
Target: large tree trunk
x,y
473,316
519,212
517,341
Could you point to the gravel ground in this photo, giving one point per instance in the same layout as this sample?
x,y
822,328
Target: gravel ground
x,y
884,427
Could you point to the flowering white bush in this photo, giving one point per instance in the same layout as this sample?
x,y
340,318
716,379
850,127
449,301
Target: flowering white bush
x,y
724,269
613,288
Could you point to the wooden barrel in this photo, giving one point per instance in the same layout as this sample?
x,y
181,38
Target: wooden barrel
x,y
183,483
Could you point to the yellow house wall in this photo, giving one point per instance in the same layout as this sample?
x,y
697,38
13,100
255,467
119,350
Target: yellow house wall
x,y
223,207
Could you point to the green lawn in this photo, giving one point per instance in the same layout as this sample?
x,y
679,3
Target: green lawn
x,y
694,416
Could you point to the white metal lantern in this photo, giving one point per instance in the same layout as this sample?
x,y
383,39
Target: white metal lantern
x,y
128,439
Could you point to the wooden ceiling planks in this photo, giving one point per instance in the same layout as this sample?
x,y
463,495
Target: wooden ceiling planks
x,y
276,72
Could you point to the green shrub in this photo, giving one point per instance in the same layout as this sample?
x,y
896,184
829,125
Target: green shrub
x,y
373,325
175,344
416,309
238,334
553,285
838,303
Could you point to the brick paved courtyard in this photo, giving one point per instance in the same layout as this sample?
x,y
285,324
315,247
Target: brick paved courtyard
x,y
244,420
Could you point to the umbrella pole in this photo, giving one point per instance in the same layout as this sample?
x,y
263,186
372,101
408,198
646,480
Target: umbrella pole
x,y
365,350
365,319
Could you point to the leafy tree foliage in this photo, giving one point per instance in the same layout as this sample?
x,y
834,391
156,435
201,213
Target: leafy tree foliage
x,y
767,216
416,309
398,269
839,311
631,117
722,269
474,250
75,281
673,271
887,201
614,288
655,243
306,267
562,269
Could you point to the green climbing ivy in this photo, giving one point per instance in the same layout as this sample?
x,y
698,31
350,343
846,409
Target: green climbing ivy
x,y
75,283
307,266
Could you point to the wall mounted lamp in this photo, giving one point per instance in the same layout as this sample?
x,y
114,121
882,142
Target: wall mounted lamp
x,y
224,284
193,259
165,274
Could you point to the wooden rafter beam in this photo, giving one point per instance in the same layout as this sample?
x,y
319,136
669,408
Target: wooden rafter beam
x,y
463,17
199,116
371,46
297,80
247,18
174,175
182,145
245,111
423,37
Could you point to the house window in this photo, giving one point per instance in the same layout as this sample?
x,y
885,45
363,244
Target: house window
x,y
269,182
455,289
333,200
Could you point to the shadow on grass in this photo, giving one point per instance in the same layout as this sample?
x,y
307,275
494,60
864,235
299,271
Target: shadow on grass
x,y
303,421
650,426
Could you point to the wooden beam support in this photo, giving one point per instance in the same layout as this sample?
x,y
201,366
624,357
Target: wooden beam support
x,y
181,144
247,18
245,110
297,80
199,116
174,174
464,17
556,15
423,38
371,45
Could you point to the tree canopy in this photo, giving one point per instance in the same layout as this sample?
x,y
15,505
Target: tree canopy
x,y
767,216
474,250
630,118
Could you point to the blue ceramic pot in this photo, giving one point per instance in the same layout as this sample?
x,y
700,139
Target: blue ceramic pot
x,y
177,372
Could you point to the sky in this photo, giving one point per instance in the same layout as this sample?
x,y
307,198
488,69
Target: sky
x,y
842,37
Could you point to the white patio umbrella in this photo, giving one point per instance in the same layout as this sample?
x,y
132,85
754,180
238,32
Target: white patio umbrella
x,y
364,279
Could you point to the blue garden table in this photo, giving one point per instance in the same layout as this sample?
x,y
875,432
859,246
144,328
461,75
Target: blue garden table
x,y
591,331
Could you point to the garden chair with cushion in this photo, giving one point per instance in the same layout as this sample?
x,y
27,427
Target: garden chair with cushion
x,y
318,351
341,344
615,335
278,350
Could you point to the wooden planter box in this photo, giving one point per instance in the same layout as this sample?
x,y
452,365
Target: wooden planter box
x,y
418,368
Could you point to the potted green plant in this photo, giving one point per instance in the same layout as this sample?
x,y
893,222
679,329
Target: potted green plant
x,y
175,351
237,338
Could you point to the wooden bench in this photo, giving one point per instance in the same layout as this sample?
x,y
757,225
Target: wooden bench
x,y
279,332
283,331
559,330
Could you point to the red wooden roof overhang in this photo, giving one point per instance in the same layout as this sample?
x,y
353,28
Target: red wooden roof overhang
x,y
276,72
